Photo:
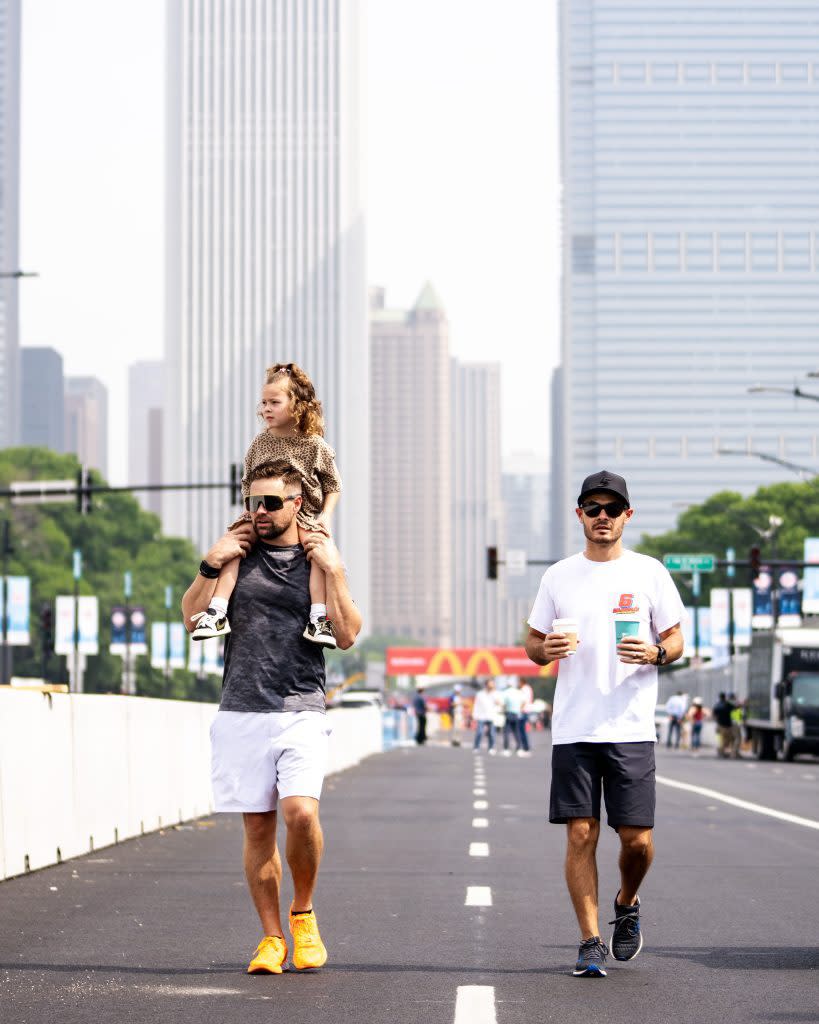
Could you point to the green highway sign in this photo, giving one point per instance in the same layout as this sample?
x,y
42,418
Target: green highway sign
x,y
689,563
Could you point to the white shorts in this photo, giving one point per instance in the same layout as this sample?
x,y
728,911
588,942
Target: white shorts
x,y
258,757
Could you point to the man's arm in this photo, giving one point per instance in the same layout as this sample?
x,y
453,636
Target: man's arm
x,y
541,648
341,608
234,544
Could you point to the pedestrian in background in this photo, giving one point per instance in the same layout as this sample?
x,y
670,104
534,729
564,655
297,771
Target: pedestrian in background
x,y
722,716
737,718
512,699
528,699
626,614
696,716
676,707
419,706
483,711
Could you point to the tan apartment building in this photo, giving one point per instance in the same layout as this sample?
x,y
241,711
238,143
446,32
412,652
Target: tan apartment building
x,y
411,480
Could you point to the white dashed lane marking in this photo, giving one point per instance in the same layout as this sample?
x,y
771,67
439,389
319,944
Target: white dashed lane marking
x,y
478,896
480,823
475,1004
479,791
479,849
480,805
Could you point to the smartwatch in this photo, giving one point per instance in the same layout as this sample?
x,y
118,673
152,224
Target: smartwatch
x,y
661,654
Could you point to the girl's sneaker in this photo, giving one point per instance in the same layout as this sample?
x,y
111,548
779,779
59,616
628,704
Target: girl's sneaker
x,y
320,632
209,624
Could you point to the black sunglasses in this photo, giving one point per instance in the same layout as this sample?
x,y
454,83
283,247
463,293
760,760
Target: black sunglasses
x,y
613,509
271,502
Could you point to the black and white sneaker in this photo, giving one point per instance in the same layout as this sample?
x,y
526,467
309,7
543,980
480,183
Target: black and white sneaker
x,y
320,632
209,624
591,959
627,937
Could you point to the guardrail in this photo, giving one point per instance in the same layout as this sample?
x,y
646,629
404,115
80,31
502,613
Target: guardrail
x,y
83,771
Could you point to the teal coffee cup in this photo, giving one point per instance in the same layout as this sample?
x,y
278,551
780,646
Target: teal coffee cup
x,y
625,627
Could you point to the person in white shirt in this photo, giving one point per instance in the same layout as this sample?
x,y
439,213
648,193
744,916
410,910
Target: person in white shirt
x,y
484,709
676,707
513,698
603,720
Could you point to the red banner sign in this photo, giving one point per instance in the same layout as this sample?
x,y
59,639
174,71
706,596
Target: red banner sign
x,y
463,661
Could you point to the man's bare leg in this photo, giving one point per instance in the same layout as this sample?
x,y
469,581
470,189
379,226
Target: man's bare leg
x,y
636,855
305,843
581,872
263,869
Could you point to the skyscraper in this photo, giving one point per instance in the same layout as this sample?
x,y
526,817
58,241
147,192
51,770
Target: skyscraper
x,y
86,421
477,508
43,413
691,248
265,244
10,382
146,396
411,553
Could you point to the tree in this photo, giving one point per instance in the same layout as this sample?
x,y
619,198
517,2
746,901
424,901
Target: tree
x,y
727,520
117,536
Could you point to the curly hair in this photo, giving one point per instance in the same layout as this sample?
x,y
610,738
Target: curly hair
x,y
307,411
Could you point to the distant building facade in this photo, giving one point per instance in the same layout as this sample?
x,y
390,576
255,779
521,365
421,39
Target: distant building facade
x,y
10,372
42,405
86,421
146,397
411,555
477,506
691,249
265,245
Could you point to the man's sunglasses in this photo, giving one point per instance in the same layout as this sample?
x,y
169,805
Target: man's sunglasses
x,y
271,502
613,509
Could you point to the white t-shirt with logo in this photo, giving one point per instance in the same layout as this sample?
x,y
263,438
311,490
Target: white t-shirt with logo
x,y
600,699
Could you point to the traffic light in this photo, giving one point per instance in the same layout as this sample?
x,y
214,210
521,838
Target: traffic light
x,y
491,563
47,629
235,484
754,559
83,497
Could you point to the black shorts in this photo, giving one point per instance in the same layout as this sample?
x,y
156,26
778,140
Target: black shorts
x,y
623,771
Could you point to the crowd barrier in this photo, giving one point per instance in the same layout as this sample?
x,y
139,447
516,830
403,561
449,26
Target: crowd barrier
x,y
82,771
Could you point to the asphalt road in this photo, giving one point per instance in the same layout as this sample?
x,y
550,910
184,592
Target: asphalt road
x,y
161,928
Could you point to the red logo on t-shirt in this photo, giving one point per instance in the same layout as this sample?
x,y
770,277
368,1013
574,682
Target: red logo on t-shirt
x,y
626,605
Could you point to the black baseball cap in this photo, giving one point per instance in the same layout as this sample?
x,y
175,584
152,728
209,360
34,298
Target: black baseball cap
x,y
604,481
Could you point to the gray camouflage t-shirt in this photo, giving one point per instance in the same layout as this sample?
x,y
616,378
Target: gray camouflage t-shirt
x,y
269,666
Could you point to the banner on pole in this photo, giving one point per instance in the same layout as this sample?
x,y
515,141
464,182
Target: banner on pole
x,y
743,605
88,613
720,624
763,600
790,600
810,580
64,624
17,612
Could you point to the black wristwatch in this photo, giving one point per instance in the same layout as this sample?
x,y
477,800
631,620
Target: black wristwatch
x,y
662,654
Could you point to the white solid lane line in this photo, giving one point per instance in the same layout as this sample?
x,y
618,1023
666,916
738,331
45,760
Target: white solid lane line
x,y
480,805
479,849
480,823
475,1004
478,896
745,805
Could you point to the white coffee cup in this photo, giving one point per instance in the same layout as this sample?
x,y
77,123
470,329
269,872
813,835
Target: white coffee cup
x,y
569,628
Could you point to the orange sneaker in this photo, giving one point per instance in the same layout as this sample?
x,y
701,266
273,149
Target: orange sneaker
x,y
308,949
269,957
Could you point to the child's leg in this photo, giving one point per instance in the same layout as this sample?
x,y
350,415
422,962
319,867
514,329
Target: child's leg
x,y
228,576
318,585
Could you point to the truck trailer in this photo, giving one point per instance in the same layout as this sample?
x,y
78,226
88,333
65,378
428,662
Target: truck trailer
x,y
783,692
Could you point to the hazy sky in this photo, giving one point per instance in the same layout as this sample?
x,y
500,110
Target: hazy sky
x,y
461,170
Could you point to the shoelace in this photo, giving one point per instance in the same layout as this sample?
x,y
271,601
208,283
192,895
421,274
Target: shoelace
x,y
629,920
303,927
592,946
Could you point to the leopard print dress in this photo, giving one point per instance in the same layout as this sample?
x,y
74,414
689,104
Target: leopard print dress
x,y
310,455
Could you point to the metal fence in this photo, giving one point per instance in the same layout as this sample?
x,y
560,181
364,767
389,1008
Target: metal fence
x,y
706,683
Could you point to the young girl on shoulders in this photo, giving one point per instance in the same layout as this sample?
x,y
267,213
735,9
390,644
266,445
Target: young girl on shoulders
x,y
294,431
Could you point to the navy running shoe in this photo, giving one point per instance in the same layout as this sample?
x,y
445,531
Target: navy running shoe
x,y
591,958
627,937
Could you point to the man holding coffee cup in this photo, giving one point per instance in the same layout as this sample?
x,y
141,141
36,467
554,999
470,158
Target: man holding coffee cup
x,y
610,616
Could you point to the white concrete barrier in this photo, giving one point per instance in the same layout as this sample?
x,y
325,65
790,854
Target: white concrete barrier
x,y
82,771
